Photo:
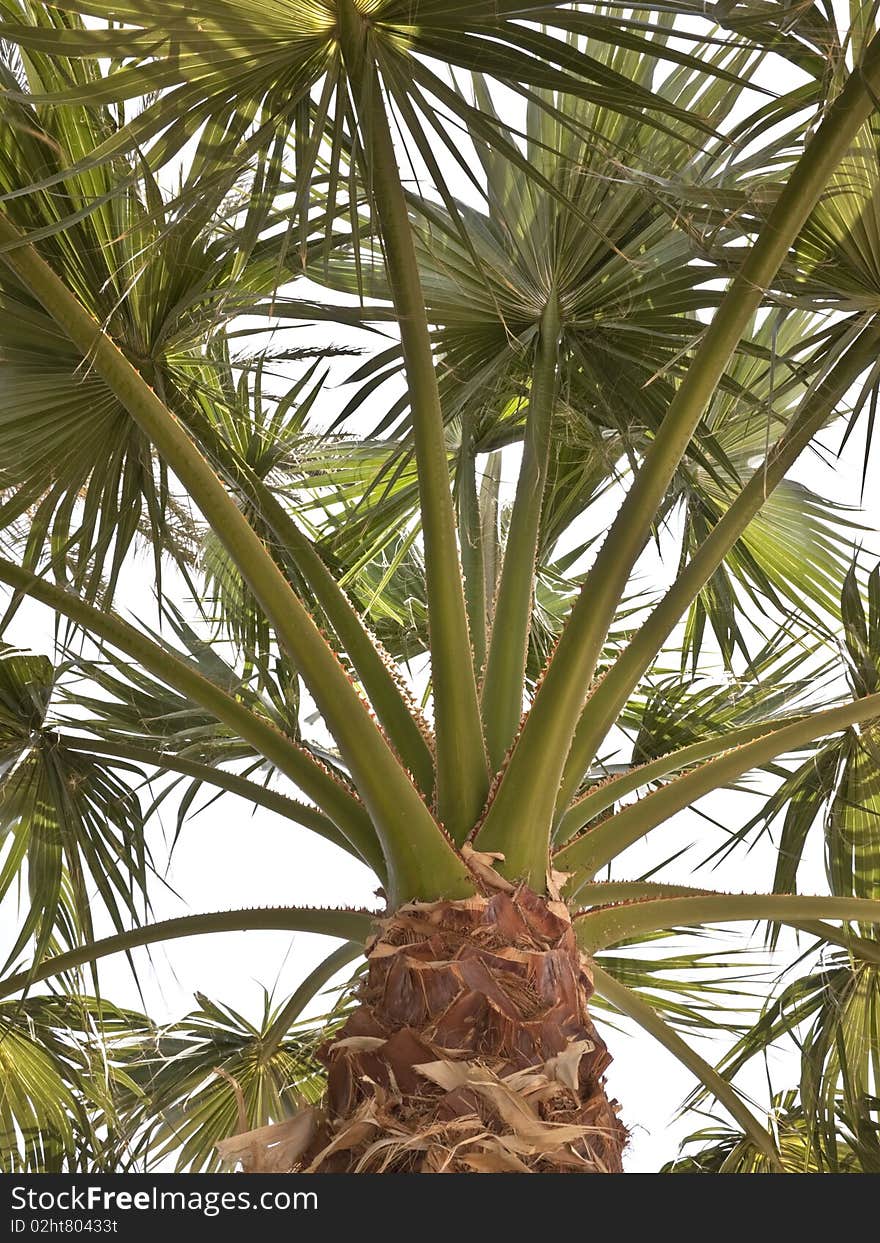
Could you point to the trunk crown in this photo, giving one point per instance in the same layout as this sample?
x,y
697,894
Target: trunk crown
x,y
472,1048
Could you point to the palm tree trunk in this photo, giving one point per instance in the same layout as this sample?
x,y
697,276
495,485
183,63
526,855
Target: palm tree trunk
x,y
471,1049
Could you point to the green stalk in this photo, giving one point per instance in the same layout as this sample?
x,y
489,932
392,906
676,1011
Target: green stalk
x,y
462,771
380,687
471,544
312,984
353,925
489,534
315,781
504,684
609,925
421,862
272,800
598,846
601,892
374,670
607,793
520,818
630,1004
618,683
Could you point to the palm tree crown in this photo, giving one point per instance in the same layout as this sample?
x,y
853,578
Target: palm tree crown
x,y
404,339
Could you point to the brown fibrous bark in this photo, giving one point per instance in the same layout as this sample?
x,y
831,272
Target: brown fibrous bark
x,y
471,1049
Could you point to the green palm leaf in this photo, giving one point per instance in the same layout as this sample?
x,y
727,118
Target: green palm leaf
x,y
68,821
211,1075
579,261
724,1150
831,1015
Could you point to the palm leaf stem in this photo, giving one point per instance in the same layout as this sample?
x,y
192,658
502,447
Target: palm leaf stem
x,y
617,684
416,852
471,544
599,893
350,924
630,1004
520,817
310,986
346,812
601,927
503,688
260,795
462,771
597,846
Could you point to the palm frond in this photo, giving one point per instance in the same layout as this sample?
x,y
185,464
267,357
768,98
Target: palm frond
x,y
69,822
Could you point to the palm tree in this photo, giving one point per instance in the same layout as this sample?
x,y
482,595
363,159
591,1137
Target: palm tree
x,y
586,231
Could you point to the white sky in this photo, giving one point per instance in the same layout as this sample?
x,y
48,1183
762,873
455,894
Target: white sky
x,y
230,856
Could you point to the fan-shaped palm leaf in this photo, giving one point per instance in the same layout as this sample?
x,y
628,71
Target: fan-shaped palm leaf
x,y
66,817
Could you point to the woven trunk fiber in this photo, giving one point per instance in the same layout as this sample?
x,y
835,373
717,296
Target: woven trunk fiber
x,y
472,1049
